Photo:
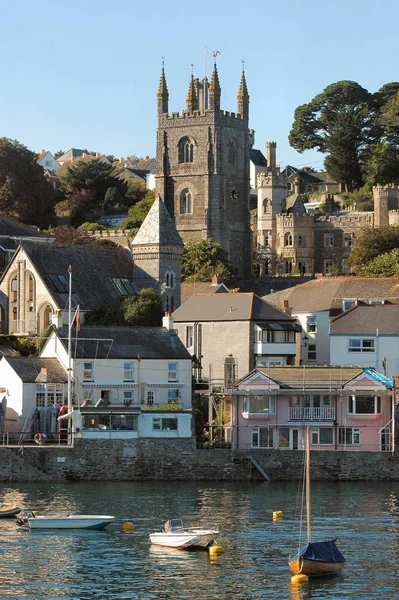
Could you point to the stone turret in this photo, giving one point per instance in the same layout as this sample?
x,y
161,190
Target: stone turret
x,y
243,98
214,90
157,251
385,199
192,98
163,94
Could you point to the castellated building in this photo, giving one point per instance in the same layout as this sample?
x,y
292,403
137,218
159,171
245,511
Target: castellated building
x,y
290,241
203,167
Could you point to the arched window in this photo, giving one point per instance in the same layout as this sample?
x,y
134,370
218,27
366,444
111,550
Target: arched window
x,y
167,279
13,288
289,187
186,150
309,189
288,239
186,202
232,157
170,279
30,287
265,205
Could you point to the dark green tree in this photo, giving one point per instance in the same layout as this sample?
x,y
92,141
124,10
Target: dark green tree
x,y
372,243
336,122
143,309
93,176
202,259
138,212
385,265
112,198
58,153
24,191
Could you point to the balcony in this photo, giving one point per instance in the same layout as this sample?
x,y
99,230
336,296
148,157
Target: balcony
x,y
299,413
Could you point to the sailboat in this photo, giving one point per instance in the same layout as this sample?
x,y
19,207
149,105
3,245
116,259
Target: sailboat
x,y
315,558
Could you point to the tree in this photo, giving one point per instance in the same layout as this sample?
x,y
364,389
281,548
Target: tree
x,y
143,309
385,265
136,191
94,176
24,191
383,157
69,236
360,200
112,198
202,259
58,153
372,243
138,212
336,122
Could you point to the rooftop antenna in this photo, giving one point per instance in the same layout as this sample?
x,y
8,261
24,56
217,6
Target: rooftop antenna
x,y
205,57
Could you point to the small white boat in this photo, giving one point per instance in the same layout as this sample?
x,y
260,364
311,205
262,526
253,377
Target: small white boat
x,y
175,535
68,522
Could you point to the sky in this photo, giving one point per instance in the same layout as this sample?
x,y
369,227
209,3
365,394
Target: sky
x,y
85,73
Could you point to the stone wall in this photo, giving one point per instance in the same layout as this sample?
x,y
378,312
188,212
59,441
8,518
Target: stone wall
x,y
128,460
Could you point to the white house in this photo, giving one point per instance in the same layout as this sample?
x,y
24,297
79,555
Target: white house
x,y
315,302
47,161
368,336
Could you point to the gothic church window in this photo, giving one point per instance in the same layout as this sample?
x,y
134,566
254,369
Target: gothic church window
x,y
170,279
288,239
232,157
301,241
186,150
186,202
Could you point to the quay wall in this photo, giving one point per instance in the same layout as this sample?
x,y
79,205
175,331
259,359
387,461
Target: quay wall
x,y
145,459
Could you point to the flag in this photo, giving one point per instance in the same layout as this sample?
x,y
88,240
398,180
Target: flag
x,y
77,319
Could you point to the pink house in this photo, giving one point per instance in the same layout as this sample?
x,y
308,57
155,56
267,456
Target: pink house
x,y
347,408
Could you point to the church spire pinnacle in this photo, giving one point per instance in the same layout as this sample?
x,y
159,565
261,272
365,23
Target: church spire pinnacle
x,y
192,97
214,90
243,96
163,94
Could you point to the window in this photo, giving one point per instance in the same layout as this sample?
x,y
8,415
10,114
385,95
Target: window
x,y
364,405
186,150
30,288
87,397
40,395
267,239
302,241
258,404
309,189
312,352
232,152
323,436
289,187
173,397
170,279
128,371
349,436
189,336
169,302
88,371
123,285
278,337
172,372
329,240
150,397
347,304
266,205
261,437
311,324
288,239
55,393
165,424
128,397
283,437
186,202
348,239
14,289
329,267
361,345
105,422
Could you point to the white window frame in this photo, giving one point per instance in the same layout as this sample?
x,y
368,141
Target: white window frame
x,y
173,371
88,371
164,424
150,397
128,397
189,336
329,240
352,404
128,371
347,303
361,345
311,324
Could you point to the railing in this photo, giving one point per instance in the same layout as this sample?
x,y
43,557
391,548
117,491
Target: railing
x,y
307,413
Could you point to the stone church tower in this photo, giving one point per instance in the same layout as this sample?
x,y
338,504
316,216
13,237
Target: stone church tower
x,y
203,162
157,251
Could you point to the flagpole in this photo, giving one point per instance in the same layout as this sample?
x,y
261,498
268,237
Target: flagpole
x,y
69,341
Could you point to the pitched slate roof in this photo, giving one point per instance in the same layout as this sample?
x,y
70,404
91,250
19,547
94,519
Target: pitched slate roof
x,y
11,227
158,228
92,272
365,319
228,307
257,158
29,368
125,342
328,293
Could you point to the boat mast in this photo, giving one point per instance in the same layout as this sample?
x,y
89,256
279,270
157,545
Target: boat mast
x,y
69,340
307,477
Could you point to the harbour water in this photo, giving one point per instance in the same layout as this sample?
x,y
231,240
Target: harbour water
x,y
110,564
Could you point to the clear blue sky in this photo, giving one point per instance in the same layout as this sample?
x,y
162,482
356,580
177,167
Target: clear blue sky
x,y
84,73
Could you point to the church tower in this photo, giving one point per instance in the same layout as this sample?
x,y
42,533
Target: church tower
x,y
157,251
203,162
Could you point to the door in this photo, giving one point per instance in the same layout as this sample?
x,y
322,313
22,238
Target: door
x,y
295,442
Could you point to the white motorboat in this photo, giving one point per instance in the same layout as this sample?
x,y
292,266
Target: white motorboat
x,y
175,535
67,522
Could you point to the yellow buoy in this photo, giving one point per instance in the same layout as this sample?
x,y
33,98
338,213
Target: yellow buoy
x,y
277,514
301,578
128,526
215,550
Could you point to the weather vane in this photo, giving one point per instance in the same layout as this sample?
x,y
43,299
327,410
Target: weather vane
x,y
214,54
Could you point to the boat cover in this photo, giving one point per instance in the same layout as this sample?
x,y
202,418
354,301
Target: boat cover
x,y
322,552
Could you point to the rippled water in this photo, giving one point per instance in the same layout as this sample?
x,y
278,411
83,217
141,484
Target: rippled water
x,y
110,564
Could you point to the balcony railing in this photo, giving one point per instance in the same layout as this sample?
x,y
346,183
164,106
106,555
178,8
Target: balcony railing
x,y
307,413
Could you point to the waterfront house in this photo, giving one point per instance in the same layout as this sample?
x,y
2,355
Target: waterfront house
x,y
315,302
229,333
346,408
367,335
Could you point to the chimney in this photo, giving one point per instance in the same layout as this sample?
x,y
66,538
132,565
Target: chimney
x,y
168,321
287,308
56,319
216,279
42,376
